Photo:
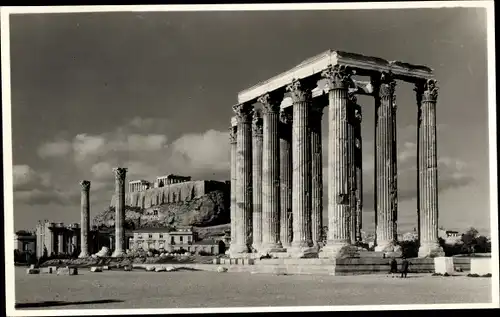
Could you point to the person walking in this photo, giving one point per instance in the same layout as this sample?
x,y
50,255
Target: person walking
x,y
404,267
394,267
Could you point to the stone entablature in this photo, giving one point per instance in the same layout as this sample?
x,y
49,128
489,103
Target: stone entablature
x,y
173,193
313,67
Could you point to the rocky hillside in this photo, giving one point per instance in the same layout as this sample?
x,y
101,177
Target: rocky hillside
x,y
211,209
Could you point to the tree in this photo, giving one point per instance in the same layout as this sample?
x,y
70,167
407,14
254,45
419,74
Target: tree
x,y
469,240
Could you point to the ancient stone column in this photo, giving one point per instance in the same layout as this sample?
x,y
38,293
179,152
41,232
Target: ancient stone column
x,y
84,219
244,180
317,173
257,180
271,172
385,164
232,140
300,92
358,159
120,174
60,241
351,153
428,175
286,215
338,79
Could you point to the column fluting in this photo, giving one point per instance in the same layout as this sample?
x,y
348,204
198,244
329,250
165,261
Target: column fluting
x,y
338,79
60,241
271,172
84,219
351,137
120,175
300,92
385,226
244,195
428,175
286,215
316,173
257,156
232,141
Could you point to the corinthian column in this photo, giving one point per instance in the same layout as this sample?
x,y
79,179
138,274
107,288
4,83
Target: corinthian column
x,y
120,174
271,173
385,165
317,173
84,220
338,79
300,91
232,141
286,216
244,181
428,174
358,159
257,220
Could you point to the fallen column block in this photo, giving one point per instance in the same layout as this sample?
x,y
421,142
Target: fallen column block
x,y
444,265
67,271
481,266
96,269
32,271
46,270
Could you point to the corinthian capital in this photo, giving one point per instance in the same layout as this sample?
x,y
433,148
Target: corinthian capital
x,y
271,102
85,185
300,90
232,135
257,123
387,85
243,112
120,173
430,90
338,76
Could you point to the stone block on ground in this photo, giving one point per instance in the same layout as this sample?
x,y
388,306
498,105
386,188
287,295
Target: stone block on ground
x,y
481,266
171,269
221,269
127,268
96,269
444,265
32,266
160,269
32,271
105,268
67,271
46,270
150,268
54,268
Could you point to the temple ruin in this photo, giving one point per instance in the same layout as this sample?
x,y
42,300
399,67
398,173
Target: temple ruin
x,y
276,161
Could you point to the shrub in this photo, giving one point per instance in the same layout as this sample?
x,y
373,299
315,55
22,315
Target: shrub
x,y
486,275
437,274
473,275
446,274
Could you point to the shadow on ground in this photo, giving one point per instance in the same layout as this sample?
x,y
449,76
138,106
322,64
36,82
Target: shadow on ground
x,y
63,303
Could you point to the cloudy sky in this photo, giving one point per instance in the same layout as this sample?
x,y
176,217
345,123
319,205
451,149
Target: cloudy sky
x,y
153,92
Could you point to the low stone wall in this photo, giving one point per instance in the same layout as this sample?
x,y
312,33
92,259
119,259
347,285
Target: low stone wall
x,y
462,263
171,193
481,266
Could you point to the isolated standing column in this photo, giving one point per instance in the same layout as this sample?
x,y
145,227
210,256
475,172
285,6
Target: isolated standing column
x,y
317,173
257,180
385,161
286,216
84,220
232,141
120,174
244,180
338,79
300,91
271,172
428,175
358,159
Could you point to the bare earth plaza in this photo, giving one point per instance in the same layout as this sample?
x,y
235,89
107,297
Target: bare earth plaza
x,y
288,227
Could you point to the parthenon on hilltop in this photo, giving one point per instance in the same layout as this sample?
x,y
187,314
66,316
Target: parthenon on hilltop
x,y
276,165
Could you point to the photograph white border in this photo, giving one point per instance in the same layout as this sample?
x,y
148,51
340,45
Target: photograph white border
x,y
7,147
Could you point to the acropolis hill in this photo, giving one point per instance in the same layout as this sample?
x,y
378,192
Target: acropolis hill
x,y
196,203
